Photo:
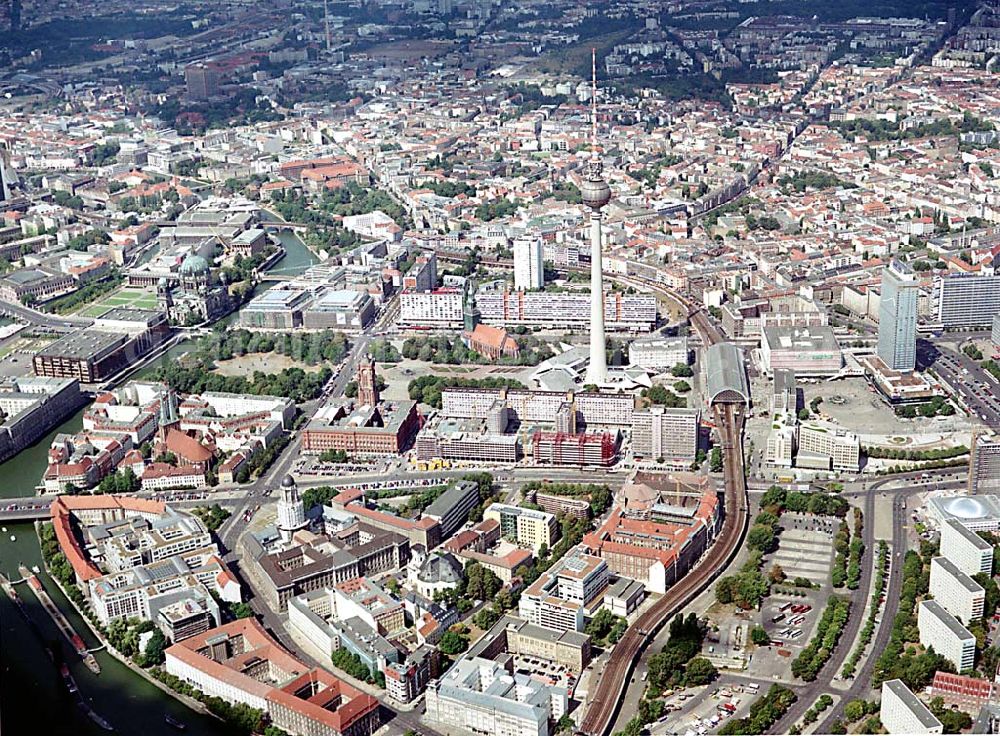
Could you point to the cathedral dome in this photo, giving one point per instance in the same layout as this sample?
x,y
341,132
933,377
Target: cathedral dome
x,y
194,265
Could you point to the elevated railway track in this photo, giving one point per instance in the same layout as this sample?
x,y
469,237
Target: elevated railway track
x,y
606,696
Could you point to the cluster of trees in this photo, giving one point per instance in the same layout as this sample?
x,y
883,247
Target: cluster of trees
x,y
121,481
662,396
764,533
427,389
449,188
857,549
351,663
766,222
777,499
892,453
213,516
245,107
764,712
993,367
845,572
678,663
938,406
104,153
334,456
897,660
353,199
855,710
310,348
567,192
455,640
954,721
294,383
383,351
884,130
715,460
605,628
442,349
123,635
241,718
65,199
802,180
497,209
747,587
89,238
973,352
822,703
264,459
648,176
831,625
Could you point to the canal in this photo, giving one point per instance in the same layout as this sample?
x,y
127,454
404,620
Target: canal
x,y
32,697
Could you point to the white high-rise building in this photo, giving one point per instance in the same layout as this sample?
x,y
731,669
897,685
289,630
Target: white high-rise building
x,y
901,711
528,265
659,433
967,300
291,510
897,326
941,630
958,594
970,552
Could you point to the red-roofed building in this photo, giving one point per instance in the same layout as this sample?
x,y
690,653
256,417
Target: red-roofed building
x,y
963,691
659,545
492,342
240,663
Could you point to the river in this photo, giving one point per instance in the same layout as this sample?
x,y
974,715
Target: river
x,y
33,699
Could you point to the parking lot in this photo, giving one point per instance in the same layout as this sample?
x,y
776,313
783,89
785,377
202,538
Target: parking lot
x,y
704,710
805,546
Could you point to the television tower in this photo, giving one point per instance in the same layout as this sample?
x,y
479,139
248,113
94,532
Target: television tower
x,y
595,193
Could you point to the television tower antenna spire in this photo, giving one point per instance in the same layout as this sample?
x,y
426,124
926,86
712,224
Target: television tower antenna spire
x,y
593,103
326,21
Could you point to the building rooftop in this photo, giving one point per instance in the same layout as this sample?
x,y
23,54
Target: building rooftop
x,y
787,337
968,583
726,374
970,536
935,609
87,344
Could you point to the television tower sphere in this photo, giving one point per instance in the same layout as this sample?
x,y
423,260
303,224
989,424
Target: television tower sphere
x,y
594,191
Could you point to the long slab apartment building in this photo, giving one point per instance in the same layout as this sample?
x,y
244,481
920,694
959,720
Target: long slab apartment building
x,y
593,408
445,308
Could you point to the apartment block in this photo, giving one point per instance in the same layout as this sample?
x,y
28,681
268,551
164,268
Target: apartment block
x,y
941,630
562,597
901,712
441,308
528,527
480,696
658,353
969,552
823,445
958,594
660,433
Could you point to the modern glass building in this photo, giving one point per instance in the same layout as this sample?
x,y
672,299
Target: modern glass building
x,y
967,300
897,325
